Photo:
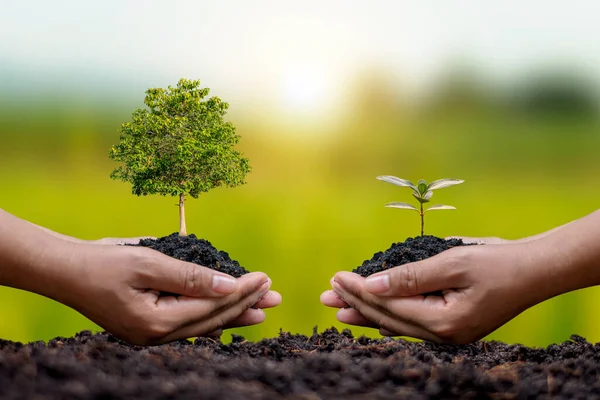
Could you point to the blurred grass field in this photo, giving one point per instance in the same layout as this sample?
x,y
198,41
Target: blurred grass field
x,y
311,206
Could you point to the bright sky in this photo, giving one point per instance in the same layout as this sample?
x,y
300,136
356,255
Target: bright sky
x,y
300,53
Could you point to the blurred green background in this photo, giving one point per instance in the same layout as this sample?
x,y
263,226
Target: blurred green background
x,y
325,97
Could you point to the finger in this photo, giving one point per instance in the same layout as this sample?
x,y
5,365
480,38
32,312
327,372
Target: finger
x,y
270,300
330,299
168,274
479,240
184,310
249,317
214,334
220,319
352,317
385,332
385,320
418,310
121,241
436,273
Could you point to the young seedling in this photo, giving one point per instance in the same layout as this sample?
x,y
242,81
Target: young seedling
x,y
179,145
422,191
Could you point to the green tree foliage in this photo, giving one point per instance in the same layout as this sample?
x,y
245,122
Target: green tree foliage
x,y
179,145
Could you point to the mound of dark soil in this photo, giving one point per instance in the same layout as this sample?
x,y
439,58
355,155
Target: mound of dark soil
x,y
327,365
190,248
411,250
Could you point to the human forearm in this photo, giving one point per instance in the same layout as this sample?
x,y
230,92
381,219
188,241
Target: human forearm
x,y
108,240
543,234
569,256
497,240
56,234
31,258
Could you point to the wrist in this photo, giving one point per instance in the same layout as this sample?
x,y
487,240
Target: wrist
x,y
42,268
526,277
563,263
545,271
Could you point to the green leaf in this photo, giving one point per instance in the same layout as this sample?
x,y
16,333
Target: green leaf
x,y
422,186
405,206
397,181
440,207
443,183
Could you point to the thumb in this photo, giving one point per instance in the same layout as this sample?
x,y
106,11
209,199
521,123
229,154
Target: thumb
x,y
188,279
429,275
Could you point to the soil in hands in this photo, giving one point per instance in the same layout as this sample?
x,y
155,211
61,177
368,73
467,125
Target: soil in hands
x,y
411,250
202,252
330,365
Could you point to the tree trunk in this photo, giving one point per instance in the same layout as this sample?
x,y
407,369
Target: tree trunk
x,y
182,229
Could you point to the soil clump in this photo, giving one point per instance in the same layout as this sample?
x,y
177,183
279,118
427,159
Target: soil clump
x,y
199,251
411,250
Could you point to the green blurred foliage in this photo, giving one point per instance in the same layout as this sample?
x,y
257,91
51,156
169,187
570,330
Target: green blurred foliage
x,y
312,205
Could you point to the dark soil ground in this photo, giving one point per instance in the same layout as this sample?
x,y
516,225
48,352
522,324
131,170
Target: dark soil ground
x,y
411,250
190,248
330,365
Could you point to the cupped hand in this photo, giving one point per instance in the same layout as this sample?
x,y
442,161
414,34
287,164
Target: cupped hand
x,y
481,240
483,287
119,241
121,288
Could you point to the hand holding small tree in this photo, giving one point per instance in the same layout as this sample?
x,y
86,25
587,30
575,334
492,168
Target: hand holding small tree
x,y
422,191
179,145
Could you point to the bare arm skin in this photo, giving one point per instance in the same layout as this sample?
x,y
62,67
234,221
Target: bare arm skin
x,y
497,240
134,240
118,287
483,286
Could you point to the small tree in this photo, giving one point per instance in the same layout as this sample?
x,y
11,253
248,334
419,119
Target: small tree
x,y
179,145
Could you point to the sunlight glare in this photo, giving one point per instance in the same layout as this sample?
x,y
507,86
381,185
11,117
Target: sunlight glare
x,y
305,89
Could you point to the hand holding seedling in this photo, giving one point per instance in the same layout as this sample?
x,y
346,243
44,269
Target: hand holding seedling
x,y
119,287
483,286
129,303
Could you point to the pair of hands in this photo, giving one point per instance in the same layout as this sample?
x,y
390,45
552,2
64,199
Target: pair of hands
x,y
118,287
483,287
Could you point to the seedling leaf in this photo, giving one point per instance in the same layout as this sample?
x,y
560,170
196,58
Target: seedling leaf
x,y
443,183
397,181
440,207
405,206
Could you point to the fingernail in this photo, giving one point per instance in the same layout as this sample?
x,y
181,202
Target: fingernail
x,y
336,286
264,289
337,282
338,289
378,283
224,284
